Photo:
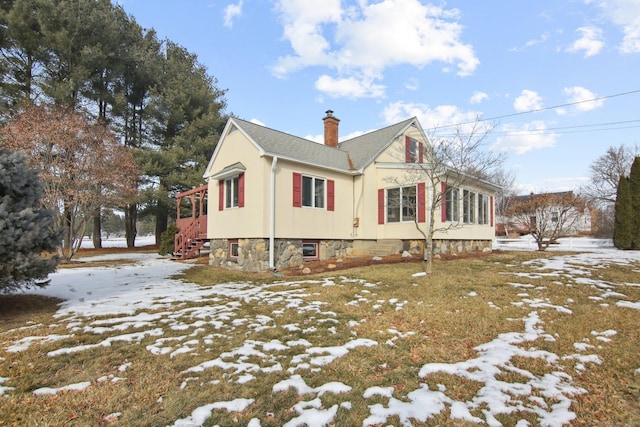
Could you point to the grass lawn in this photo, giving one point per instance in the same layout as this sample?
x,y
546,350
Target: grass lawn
x,y
511,337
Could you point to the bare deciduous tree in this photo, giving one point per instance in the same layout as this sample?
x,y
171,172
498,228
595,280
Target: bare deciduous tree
x,y
82,166
504,197
605,172
451,162
547,216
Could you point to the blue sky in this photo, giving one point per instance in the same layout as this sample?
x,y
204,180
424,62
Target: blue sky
x,y
377,62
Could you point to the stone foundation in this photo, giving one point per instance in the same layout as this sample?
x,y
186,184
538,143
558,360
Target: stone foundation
x,y
253,254
460,246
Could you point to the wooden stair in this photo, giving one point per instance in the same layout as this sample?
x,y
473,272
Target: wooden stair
x,y
192,230
190,239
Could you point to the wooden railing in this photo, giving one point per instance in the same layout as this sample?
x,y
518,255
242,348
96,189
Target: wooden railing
x,y
192,231
191,237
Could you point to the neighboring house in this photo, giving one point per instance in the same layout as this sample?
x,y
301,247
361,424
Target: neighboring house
x,y
276,200
579,221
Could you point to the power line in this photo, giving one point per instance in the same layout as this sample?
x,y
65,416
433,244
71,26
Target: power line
x,y
563,129
519,113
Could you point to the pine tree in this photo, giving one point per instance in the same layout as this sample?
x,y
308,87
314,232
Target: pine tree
x,y
634,184
26,230
623,221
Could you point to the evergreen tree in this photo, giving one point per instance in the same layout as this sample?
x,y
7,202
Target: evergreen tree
x,y
623,219
90,56
26,230
634,184
187,119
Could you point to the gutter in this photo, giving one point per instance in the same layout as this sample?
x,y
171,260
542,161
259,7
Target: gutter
x,y
272,214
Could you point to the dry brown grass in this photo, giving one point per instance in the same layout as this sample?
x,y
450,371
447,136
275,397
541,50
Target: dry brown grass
x,y
440,318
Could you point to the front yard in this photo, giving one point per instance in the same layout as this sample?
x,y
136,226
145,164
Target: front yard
x,y
514,338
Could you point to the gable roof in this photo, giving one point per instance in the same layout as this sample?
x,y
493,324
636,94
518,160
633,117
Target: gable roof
x,y
365,148
350,156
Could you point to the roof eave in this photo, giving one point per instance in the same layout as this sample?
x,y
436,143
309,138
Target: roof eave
x,y
315,165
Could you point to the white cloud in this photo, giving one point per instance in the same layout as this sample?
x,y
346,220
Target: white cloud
x,y
530,43
531,136
529,100
349,87
412,84
582,97
257,122
626,15
430,118
551,185
231,12
478,97
363,39
543,38
590,41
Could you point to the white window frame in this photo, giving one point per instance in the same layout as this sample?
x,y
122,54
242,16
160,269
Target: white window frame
x,y
318,197
405,213
469,206
316,250
483,209
414,150
453,204
231,192
233,253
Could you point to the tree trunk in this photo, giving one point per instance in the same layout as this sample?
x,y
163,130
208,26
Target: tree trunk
x,y
130,219
97,228
162,220
68,233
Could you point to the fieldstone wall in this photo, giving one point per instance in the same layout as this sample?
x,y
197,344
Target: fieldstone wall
x,y
253,254
460,246
289,252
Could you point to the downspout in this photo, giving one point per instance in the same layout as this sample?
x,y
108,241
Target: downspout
x,y
272,214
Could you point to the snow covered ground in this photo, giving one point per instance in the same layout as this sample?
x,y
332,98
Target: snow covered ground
x,y
118,242
142,296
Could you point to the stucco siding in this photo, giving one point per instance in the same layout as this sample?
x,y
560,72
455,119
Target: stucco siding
x,y
238,222
312,222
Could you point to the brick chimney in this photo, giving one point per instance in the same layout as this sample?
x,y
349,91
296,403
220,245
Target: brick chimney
x,y
331,129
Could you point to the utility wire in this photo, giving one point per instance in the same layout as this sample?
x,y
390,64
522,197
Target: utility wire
x,y
519,113
563,129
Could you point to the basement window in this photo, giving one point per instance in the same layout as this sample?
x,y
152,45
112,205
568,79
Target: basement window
x,y
310,249
234,248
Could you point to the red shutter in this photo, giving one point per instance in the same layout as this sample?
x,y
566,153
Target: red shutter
x,y
297,190
420,153
421,202
443,203
330,194
491,209
241,190
220,195
381,206
407,149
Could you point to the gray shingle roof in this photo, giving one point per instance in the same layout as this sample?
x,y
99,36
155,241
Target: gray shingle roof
x,y
350,156
365,148
286,146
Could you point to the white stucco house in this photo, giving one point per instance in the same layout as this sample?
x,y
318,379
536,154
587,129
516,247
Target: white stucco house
x,y
276,200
